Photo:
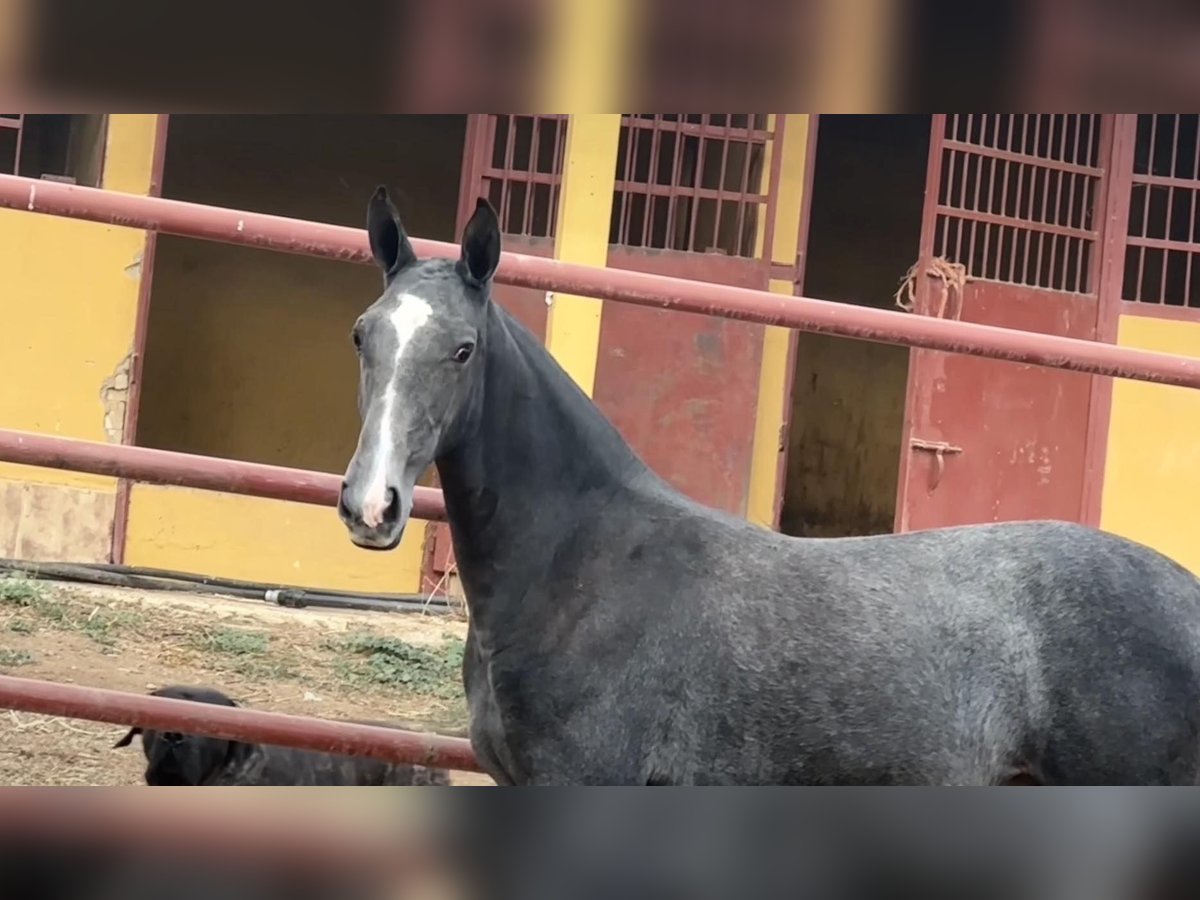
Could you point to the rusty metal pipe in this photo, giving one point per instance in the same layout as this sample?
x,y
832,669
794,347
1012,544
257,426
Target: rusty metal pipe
x,y
234,723
189,470
655,291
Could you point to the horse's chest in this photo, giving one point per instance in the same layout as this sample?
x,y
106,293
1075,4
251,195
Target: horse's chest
x,y
488,730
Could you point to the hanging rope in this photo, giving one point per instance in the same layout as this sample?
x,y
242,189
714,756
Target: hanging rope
x,y
953,277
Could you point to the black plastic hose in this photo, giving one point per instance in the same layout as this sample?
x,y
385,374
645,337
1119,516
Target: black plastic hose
x,y
113,575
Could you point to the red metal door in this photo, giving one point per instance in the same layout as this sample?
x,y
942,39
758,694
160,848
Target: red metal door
x,y
694,193
1014,209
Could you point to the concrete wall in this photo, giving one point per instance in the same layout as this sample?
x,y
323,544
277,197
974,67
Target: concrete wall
x,y
848,396
1152,470
248,354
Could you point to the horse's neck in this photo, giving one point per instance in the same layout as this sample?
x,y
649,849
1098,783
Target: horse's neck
x,y
538,457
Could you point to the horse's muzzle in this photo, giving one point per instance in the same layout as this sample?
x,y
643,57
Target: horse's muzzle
x,y
378,526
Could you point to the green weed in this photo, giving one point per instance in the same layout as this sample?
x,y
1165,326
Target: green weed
x,y
432,671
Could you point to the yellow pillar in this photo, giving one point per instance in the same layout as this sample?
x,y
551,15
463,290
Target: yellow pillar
x,y
856,56
586,63
774,392
584,74
584,213
129,153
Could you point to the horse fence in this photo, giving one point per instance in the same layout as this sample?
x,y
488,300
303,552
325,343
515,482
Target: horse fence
x,y
350,245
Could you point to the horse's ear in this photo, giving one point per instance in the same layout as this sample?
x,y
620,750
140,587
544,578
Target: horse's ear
x,y
480,245
128,738
389,243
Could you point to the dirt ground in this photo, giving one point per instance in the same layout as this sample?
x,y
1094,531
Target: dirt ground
x,y
397,667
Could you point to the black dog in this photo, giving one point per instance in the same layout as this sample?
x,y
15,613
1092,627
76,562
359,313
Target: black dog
x,y
184,759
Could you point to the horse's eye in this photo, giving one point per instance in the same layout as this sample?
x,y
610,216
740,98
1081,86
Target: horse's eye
x,y
463,353
356,336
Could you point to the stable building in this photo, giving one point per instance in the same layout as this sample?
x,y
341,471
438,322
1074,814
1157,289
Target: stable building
x,y
1077,225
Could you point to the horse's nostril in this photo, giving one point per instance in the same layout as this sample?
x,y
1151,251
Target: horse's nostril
x,y
392,512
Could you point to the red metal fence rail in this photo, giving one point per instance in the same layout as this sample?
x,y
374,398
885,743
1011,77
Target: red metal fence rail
x,y
229,476
350,244
235,723
189,470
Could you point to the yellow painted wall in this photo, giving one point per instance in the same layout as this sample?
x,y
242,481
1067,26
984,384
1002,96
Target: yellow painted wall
x,y
773,386
68,299
68,302
254,539
249,355
1152,471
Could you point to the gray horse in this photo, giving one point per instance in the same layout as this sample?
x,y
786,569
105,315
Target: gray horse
x,y
624,634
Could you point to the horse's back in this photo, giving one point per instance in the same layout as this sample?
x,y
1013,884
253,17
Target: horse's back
x,y
1082,647
1045,647
731,654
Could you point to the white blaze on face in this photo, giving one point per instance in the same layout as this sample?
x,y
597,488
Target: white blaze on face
x,y
406,320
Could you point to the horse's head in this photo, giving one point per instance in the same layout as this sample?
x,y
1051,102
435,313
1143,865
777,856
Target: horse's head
x,y
421,349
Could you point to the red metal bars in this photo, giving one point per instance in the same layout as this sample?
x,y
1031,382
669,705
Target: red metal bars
x,y
236,724
656,291
188,470
523,171
1047,236
669,175
1164,221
